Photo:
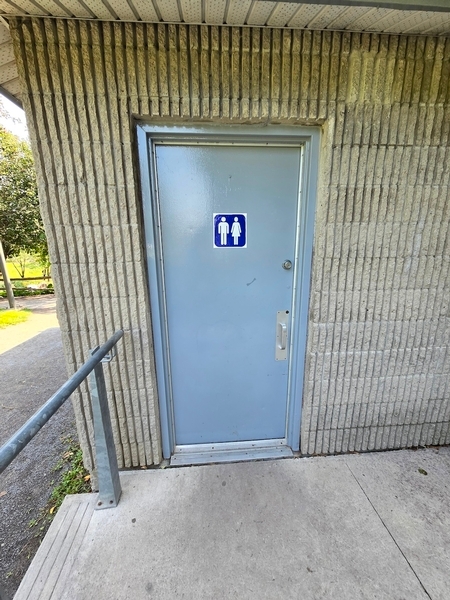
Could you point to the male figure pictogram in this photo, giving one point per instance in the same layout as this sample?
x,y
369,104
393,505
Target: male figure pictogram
x,y
224,230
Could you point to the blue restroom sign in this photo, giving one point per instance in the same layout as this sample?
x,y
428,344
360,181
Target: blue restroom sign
x,y
230,230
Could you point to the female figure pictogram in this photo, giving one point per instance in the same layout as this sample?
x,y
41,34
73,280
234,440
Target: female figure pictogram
x,y
236,231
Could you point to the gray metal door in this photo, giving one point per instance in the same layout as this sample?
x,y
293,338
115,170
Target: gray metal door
x,y
228,289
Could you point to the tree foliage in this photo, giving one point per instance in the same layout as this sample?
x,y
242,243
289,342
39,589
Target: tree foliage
x,y
21,227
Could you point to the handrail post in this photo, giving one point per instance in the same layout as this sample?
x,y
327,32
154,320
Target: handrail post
x,y
107,468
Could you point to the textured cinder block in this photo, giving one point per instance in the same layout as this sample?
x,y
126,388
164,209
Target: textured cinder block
x,y
379,310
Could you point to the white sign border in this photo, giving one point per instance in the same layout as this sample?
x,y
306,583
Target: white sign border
x,y
214,231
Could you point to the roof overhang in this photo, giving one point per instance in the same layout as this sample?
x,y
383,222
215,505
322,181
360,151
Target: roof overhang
x,y
431,5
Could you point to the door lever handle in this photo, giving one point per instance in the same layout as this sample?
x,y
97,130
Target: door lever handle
x,y
281,342
283,336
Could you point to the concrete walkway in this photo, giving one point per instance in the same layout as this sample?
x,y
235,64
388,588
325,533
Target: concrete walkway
x,y
43,317
373,526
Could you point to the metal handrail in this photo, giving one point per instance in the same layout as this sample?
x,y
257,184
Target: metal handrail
x,y
107,467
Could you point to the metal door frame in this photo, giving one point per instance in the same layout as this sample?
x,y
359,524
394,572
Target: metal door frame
x,y
308,140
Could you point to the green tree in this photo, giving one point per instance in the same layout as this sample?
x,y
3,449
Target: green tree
x,y
21,227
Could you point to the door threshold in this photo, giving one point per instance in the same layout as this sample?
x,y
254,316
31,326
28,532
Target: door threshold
x,y
203,454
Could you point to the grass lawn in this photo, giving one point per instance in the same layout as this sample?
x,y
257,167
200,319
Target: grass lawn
x,y
26,264
33,268
12,317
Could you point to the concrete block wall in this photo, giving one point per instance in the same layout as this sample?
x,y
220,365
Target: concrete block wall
x,y
377,373
378,365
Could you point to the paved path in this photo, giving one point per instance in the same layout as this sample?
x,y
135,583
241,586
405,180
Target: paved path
x,y
32,368
356,527
42,318
373,526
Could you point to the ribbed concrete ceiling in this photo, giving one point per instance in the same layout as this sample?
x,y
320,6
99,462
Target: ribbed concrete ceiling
x,y
241,12
226,12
